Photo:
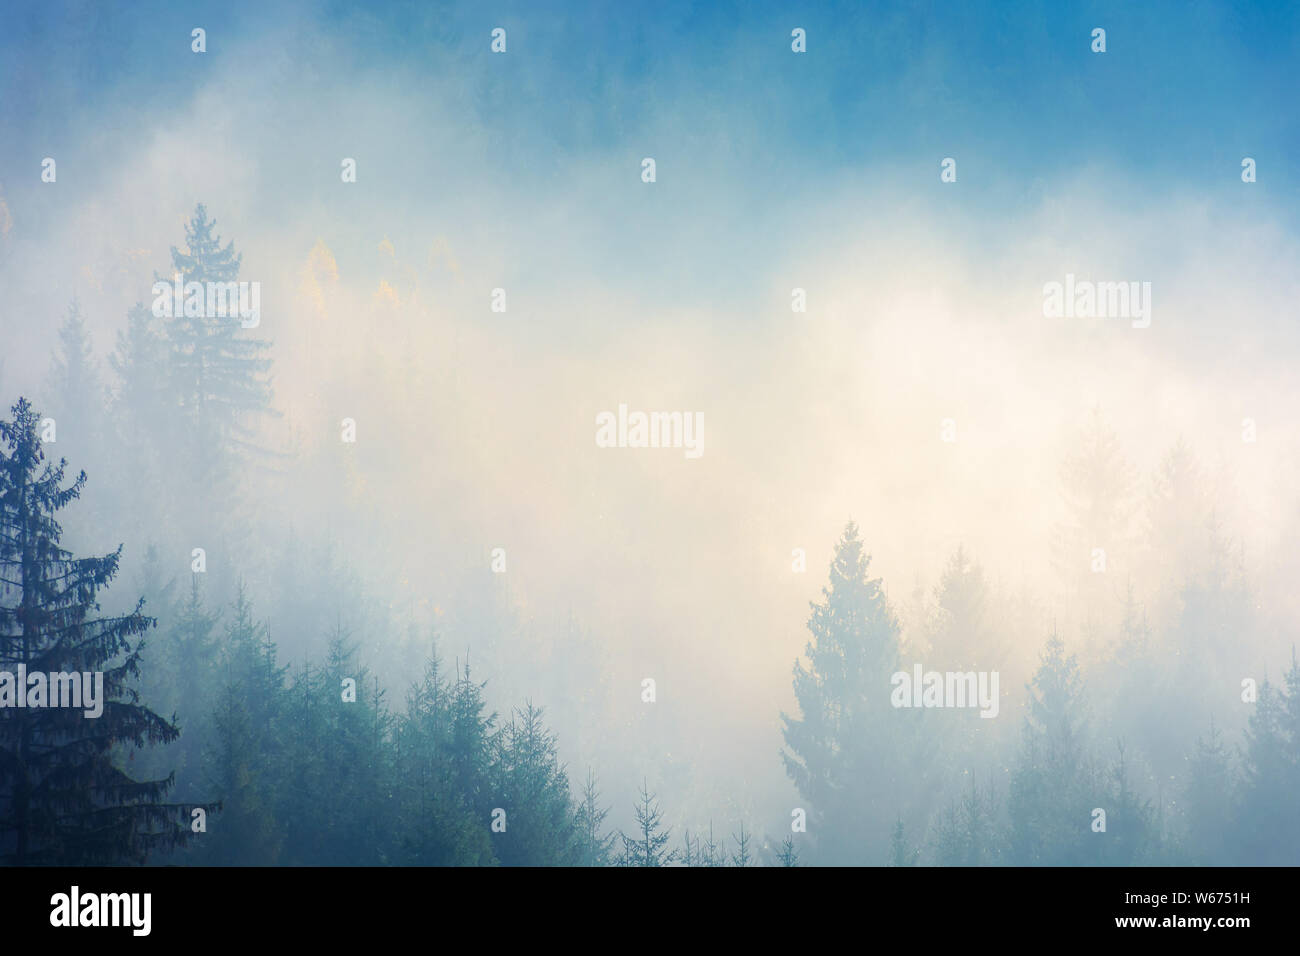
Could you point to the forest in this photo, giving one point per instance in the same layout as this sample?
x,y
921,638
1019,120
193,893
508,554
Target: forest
x,y
381,737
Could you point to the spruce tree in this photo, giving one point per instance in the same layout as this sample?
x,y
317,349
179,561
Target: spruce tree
x,y
646,846
742,856
245,760
219,371
533,789
1268,827
957,630
189,659
787,855
437,823
1209,800
854,757
63,799
1052,788
594,848
76,388
968,833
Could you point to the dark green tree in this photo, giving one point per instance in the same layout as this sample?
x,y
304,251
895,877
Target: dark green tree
x,y
341,764
438,823
247,757
63,799
533,789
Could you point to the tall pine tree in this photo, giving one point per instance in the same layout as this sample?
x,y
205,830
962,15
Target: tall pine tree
x,y
855,758
63,799
219,371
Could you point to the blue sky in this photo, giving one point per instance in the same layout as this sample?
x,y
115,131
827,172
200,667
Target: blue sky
x,y
1182,92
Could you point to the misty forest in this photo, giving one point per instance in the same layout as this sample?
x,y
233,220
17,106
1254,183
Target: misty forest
x,y
281,690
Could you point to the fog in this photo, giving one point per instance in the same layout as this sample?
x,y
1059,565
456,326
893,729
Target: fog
x,y
923,395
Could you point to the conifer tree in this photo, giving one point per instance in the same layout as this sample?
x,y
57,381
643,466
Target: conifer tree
x,y
957,631
219,371
189,659
63,800
690,854
788,855
1209,800
646,846
341,758
437,825
534,790
1132,835
968,834
76,387
850,753
147,432
246,760
1268,828
1052,793
742,856
594,848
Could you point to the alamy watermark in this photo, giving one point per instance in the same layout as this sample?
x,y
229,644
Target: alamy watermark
x,y
946,689
211,300
75,908
84,690
651,430
1085,299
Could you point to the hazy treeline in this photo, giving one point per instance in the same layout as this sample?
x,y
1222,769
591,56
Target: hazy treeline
x,y
1156,711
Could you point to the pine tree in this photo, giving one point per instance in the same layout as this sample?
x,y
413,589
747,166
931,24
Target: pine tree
x,y
690,854
968,834
76,387
646,846
849,752
594,849
219,375
742,856
1131,837
146,428
139,361
534,790
340,756
189,660
1208,800
712,854
62,798
1268,827
437,824
957,631
245,759
788,855
1052,790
